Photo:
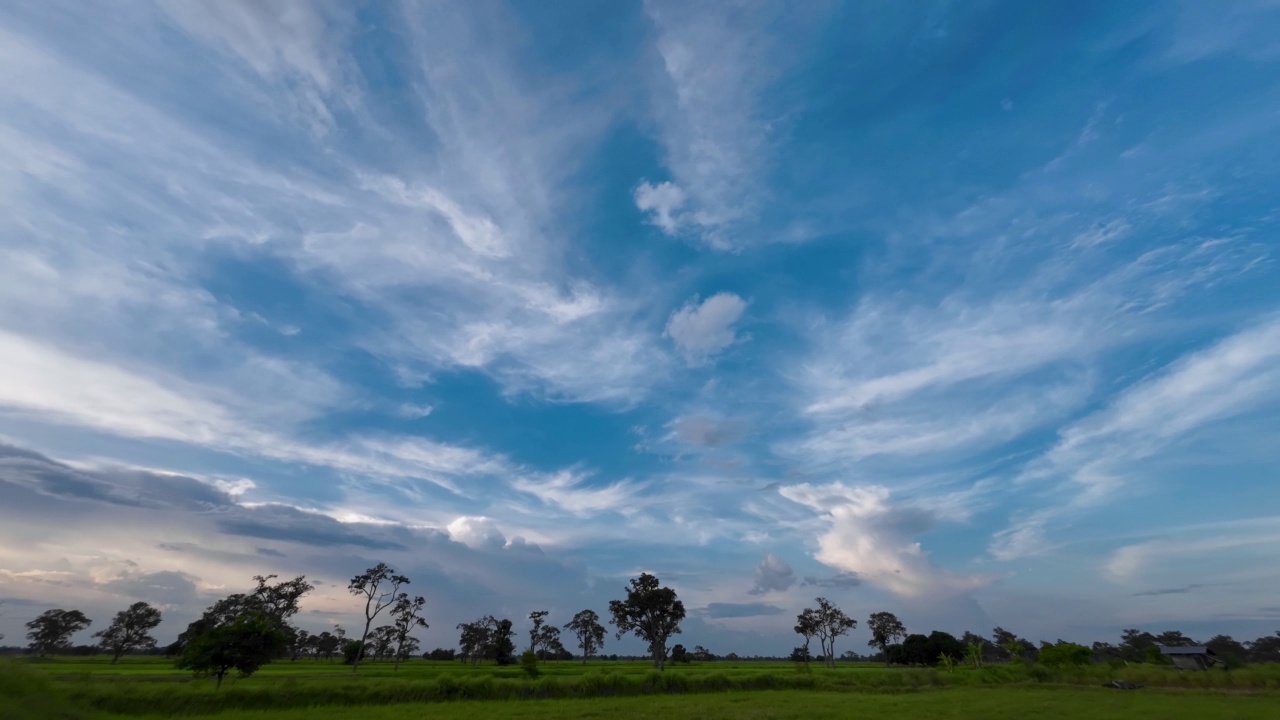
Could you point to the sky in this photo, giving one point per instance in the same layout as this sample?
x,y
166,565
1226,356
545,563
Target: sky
x,y
965,311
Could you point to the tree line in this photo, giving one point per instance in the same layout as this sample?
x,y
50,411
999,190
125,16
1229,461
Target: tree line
x,y
244,631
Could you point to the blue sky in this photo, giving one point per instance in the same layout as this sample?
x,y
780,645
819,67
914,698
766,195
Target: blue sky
x,y
967,311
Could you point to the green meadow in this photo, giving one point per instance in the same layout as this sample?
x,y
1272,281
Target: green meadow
x,y
94,689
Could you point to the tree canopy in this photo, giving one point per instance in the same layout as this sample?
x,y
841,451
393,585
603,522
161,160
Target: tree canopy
x,y
129,631
650,611
52,629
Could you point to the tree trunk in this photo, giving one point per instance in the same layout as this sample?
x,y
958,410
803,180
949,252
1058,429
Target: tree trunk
x,y
355,664
219,685
659,657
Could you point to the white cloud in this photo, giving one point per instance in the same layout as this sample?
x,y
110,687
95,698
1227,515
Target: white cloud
x,y
703,330
477,532
415,412
867,535
569,491
663,201
717,62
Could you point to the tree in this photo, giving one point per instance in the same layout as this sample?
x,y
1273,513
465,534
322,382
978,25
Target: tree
x,y
245,644
408,617
473,640
441,654
827,622
886,629
1226,647
702,654
1265,649
380,586
538,617
382,641
1065,654
807,628
500,647
53,629
679,654
129,631
590,633
800,655
653,613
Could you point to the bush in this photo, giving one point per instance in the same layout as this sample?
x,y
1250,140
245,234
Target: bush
x,y
529,663
1065,655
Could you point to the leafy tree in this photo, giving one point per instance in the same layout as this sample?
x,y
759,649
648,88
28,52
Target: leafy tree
x,y
382,641
303,642
702,654
529,663
915,650
807,628
679,654
407,614
53,629
1265,649
800,655
1225,647
327,644
1174,638
538,617
1065,654
590,633
245,644
650,611
129,631
473,640
380,587
886,629
442,654
1134,644
1013,647
501,647
827,622
943,644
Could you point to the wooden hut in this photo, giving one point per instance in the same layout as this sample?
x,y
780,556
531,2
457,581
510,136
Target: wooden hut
x,y
1193,657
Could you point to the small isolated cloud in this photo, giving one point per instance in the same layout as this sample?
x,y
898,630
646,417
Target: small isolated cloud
x,y
476,532
773,573
740,610
702,330
661,202
415,412
874,539
839,581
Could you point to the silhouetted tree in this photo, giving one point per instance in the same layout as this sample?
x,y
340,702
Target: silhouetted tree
x,y
380,587
827,622
129,631
650,611
886,629
246,643
590,633
408,617
53,629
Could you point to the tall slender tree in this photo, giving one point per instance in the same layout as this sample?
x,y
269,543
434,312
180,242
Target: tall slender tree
x,y
406,614
827,622
129,631
379,586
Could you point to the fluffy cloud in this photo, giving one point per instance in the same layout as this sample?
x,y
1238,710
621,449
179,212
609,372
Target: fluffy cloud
x,y
773,574
662,202
868,536
477,532
703,329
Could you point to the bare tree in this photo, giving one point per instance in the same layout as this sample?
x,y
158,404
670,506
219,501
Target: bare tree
x,y
380,586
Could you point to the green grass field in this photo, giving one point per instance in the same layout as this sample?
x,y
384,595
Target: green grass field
x,y
93,689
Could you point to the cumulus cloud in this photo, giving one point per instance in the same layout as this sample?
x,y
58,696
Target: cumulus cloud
x,y
703,329
661,202
772,574
869,536
477,532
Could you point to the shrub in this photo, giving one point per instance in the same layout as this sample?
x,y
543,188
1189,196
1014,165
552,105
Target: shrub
x,y
529,663
1065,655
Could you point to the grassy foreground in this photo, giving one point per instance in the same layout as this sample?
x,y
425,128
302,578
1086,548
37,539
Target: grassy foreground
x,y
93,689
1065,703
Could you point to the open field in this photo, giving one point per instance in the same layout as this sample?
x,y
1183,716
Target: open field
x,y
83,688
